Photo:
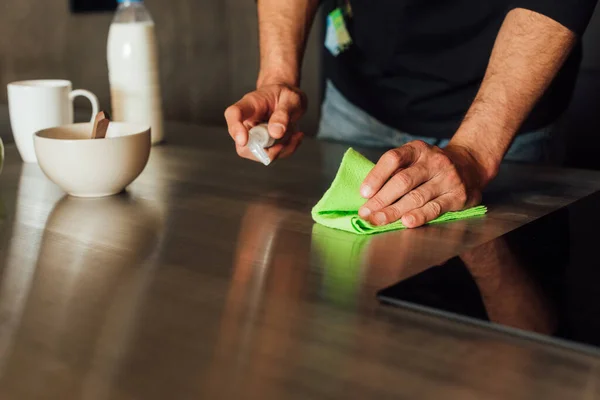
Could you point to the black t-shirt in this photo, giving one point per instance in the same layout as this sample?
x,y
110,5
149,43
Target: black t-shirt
x,y
416,65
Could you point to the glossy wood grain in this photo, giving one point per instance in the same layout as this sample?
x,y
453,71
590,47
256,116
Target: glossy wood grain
x,y
208,280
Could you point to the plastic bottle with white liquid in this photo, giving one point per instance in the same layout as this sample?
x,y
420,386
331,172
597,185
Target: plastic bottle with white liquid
x,y
133,70
259,140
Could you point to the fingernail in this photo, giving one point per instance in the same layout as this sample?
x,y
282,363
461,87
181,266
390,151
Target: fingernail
x,y
364,212
408,220
366,191
379,219
276,130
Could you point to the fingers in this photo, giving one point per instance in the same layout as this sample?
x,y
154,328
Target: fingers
x,y
236,115
396,187
292,146
416,183
282,105
414,199
280,150
388,164
418,216
429,211
289,108
417,198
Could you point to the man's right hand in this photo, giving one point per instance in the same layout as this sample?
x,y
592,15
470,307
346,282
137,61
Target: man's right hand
x,y
278,104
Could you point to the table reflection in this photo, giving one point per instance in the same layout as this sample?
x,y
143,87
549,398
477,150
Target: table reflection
x,y
510,294
517,280
268,281
399,255
28,208
342,259
93,266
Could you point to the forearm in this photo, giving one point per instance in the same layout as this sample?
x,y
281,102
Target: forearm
x,y
510,296
283,30
528,53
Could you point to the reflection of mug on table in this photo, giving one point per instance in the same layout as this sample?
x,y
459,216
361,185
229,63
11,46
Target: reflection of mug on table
x,y
41,104
91,276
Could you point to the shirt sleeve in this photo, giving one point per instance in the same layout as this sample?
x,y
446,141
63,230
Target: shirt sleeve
x,y
573,14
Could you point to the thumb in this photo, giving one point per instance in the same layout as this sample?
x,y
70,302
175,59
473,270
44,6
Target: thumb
x,y
288,110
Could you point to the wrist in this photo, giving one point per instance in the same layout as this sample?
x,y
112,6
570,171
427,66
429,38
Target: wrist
x,y
481,163
278,76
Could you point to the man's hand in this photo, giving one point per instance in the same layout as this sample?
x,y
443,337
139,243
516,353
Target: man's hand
x,y
283,31
418,182
280,105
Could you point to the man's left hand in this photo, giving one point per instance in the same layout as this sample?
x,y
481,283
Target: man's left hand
x,y
418,182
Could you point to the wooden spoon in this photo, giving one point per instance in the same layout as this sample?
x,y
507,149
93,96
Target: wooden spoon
x,y
100,125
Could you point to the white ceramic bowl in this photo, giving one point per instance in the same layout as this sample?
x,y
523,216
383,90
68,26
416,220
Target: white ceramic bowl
x,y
85,167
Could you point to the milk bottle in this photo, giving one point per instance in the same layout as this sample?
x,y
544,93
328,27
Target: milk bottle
x,y
133,68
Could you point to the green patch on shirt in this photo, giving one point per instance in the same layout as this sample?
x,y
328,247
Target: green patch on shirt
x,y
337,37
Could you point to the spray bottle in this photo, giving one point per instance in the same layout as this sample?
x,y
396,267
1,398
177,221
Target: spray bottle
x,y
259,140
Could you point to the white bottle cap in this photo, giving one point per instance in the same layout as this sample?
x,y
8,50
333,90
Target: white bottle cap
x,y
258,140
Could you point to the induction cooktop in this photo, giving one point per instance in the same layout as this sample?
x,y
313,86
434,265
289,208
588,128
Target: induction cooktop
x,y
541,281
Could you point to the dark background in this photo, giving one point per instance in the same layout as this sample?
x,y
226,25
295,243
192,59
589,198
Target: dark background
x,y
81,6
209,59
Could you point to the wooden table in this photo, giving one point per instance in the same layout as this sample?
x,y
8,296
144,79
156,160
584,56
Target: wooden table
x,y
208,280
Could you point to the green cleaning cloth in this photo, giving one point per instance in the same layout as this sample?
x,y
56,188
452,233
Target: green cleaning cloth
x,y
339,206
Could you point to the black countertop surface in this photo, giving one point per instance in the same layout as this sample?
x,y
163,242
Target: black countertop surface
x,y
540,280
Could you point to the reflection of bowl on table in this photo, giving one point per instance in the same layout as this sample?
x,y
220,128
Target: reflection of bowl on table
x,y
93,268
125,225
85,167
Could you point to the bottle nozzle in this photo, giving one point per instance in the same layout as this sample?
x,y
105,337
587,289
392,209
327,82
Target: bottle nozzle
x,y
260,153
258,140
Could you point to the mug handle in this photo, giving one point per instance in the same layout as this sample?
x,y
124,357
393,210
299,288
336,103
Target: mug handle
x,y
90,96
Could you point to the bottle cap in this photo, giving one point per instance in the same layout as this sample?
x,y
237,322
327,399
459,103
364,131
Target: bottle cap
x,y
260,134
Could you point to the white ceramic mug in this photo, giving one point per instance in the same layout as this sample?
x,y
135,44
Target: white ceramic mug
x,y
40,104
